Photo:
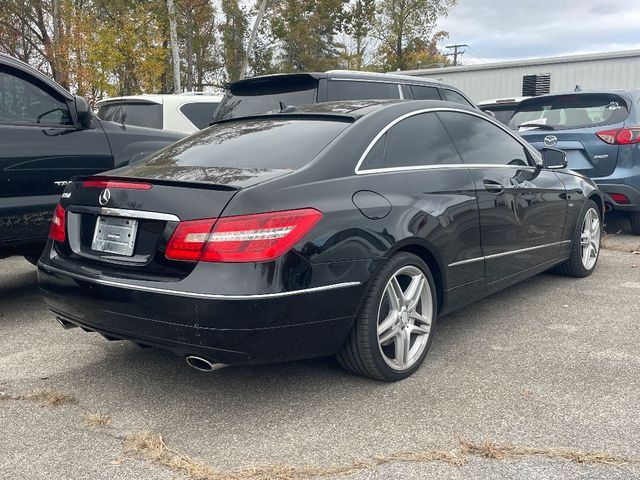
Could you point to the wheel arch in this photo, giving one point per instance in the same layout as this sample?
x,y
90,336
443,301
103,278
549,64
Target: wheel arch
x,y
426,252
597,197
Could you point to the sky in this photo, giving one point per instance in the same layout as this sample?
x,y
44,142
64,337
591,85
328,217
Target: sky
x,y
517,29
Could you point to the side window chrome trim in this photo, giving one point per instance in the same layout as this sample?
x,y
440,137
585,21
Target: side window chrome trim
x,y
531,150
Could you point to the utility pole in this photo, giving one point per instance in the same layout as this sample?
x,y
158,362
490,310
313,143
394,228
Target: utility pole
x,y
456,51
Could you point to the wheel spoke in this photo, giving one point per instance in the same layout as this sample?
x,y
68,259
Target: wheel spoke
x,y
388,322
419,317
419,330
388,334
402,347
395,300
413,294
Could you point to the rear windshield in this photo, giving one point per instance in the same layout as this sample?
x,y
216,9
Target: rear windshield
x,y
133,113
266,96
265,143
572,111
503,113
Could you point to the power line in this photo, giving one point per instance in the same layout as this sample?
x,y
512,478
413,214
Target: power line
x,y
456,51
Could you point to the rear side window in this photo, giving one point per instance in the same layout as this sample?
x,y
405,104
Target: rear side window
x,y
140,114
420,140
23,102
266,95
259,143
453,96
425,93
352,90
572,111
200,114
481,142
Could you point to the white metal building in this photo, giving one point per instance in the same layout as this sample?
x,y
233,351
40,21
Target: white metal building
x,y
505,79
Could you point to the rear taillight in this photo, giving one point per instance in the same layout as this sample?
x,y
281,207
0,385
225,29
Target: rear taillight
x,y
117,184
57,230
247,238
620,136
619,198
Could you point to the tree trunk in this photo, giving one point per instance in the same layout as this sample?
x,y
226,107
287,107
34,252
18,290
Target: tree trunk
x,y
252,39
189,51
175,54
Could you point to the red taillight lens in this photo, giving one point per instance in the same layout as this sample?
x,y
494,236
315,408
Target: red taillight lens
x,y
189,239
57,230
117,184
247,238
620,136
619,198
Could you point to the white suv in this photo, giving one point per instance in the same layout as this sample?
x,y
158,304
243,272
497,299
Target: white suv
x,y
187,112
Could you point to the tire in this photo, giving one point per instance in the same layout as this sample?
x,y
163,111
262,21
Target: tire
x,y
362,352
32,259
634,218
576,266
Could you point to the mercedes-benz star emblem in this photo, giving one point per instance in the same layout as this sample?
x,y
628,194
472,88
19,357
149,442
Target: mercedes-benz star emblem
x,y
550,141
104,197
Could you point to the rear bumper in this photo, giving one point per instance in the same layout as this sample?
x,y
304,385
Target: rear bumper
x,y
630,192
231,329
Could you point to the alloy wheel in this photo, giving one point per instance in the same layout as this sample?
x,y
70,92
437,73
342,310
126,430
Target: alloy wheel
x,y
405,318
590,239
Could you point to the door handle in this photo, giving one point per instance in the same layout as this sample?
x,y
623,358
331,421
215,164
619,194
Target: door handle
x,y
492,186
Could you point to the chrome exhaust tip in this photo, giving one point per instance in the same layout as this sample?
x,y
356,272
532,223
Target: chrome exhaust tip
x,y
203,364
66,324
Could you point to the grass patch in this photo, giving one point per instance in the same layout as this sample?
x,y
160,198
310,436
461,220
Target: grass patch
x,y
493,450
49,397
150,446
98,419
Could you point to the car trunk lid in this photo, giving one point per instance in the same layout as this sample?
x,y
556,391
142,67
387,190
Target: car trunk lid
x,y
586,153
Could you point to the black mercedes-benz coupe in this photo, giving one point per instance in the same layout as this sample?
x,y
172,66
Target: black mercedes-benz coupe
x,y
333,229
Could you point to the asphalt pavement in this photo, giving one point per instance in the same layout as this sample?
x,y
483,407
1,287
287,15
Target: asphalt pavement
x,y
548,368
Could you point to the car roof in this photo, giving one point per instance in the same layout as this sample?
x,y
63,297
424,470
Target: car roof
x,y
353,109
341,74
29,70
163,98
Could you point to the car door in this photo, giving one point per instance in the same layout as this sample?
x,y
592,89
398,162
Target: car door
x,y
522,206
434,193
41,149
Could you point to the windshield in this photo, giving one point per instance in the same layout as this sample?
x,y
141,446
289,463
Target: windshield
x,y
267,95
265,143
140,114
571,111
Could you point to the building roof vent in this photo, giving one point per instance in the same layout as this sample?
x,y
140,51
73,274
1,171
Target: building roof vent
x,y
533,85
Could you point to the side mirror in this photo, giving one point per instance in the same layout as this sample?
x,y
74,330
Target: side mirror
x,y
553,158
83,112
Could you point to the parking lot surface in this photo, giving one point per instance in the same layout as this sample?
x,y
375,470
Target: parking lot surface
x,y
549,364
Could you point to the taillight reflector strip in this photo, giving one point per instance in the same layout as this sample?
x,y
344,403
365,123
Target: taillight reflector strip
x,y
57,231
620,198
247,238
117,184
620,136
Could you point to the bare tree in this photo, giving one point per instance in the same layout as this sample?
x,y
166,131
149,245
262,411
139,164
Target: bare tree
x,y
175,52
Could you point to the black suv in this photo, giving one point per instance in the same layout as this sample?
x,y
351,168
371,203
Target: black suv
x,y
276,92
48,136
